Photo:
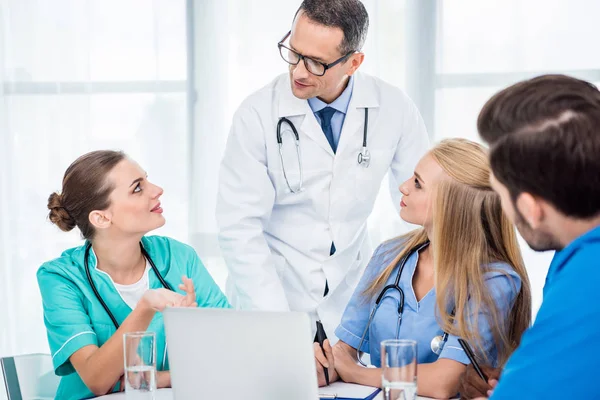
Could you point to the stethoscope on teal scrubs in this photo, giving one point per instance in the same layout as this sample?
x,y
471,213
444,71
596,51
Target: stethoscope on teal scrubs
x,y
93,286
364,157
437,343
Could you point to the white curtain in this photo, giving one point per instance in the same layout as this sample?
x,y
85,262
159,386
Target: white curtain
x,y
77,76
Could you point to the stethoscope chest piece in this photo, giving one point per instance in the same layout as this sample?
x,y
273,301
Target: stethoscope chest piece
x,y
437,344
364,157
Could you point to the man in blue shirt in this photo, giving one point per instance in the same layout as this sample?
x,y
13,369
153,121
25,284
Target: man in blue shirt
x,y
544,137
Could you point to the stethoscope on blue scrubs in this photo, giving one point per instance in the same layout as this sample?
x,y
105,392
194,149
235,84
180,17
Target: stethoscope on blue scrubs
x,y
364,157
437,343
93,286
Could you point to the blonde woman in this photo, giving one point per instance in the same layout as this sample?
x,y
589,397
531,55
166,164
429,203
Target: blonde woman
x,y
461,276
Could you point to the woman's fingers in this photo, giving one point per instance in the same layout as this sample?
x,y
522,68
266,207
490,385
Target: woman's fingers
x,y
320,374
328,352
173,299
187,286
320,356
163,298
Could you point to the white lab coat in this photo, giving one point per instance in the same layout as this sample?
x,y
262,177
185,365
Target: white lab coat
x,y
276,244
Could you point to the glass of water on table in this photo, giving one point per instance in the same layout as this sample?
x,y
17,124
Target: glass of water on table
x,y
140,365
399,369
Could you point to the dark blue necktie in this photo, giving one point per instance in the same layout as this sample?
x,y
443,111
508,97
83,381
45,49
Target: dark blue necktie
x,y
325,115
331,252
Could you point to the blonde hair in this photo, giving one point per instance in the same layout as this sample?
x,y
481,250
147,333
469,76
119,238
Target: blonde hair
x,y
470,232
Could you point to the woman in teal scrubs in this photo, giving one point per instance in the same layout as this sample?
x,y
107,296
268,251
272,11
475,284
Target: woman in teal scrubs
x,y
109,198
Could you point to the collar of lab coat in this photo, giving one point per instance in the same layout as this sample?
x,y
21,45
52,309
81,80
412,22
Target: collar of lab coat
x,y
364,95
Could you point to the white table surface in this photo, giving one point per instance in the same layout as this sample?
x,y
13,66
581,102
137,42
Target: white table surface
x,y
161,394
166,394
380,397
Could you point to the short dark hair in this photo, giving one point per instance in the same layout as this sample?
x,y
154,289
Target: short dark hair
x,y
85,188
348,15
544,136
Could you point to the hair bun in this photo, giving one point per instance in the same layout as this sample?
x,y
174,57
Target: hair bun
x,y
58,215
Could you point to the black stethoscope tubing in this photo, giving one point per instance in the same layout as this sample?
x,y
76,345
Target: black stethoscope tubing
x,y
363,159
297,137
396,286
95,290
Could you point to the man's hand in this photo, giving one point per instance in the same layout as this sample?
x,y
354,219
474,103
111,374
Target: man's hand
x,y
472,386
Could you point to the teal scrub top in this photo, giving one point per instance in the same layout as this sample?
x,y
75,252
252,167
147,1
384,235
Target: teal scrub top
x,y
74,317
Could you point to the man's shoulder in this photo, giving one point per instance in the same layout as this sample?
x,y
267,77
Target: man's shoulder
x,y
571,290
265,93
384,88
583,261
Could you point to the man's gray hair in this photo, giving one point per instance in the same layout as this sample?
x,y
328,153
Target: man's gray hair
x,y
348,15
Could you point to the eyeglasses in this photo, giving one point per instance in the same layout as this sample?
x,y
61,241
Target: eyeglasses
x,y
313,66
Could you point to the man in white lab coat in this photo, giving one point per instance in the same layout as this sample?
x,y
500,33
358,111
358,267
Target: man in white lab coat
x,y
304,160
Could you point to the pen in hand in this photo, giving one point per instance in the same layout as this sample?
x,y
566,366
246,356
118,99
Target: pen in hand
x,y
471,356
321,336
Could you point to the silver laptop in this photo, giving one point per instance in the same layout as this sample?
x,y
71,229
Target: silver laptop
x,y
233,355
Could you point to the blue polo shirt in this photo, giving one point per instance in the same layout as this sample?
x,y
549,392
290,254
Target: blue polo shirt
x,y
558,356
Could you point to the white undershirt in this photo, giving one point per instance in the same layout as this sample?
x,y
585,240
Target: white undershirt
x,y
131,294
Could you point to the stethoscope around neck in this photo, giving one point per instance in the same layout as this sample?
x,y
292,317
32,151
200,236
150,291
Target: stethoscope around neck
x,y
97,294
363,159
437,343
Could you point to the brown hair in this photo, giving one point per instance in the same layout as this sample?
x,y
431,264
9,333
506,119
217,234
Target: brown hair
x,y
470,233
544,135
85,188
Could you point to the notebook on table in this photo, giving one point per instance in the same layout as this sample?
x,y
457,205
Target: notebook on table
x,y
347,391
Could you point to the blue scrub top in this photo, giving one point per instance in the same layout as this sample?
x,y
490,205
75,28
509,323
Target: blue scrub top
x,y
557,355
418,318
74,317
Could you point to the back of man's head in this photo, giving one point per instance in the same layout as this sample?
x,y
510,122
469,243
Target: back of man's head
x,y
544,136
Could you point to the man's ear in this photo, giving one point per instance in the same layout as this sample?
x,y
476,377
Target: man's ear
x,y
531,208
355,61
100,219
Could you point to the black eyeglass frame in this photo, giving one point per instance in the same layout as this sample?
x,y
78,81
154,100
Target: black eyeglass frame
x,y
280,45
